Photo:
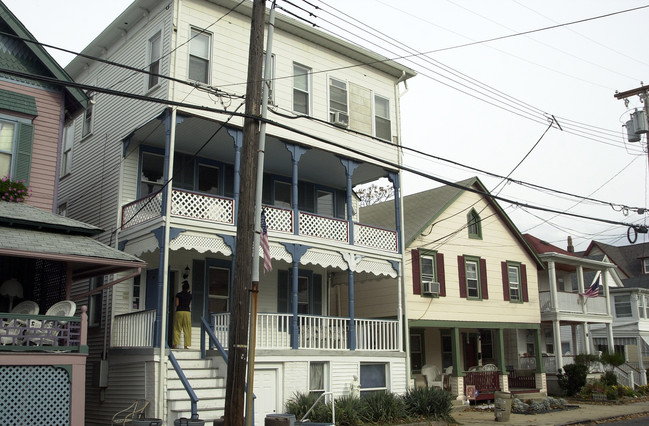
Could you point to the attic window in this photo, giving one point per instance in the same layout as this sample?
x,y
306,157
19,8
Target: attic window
x,y
473,225
645,265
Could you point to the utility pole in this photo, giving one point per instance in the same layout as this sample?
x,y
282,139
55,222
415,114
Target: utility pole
x,y
239,311
643,93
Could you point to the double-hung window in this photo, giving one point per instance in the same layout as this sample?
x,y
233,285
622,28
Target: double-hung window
x,y
338,112
382,124
623,306
472,268
66,155
473,224
88,117
155,53
514,276
199,56
373,377
645,265
317,377
301,89
7,145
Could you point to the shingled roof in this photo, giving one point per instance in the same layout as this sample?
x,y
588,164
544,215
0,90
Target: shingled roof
x,y
627,259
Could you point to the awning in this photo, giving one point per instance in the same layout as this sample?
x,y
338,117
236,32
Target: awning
x,y
617,341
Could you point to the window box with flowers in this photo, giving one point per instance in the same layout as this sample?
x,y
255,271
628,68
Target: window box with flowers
x,y
14,191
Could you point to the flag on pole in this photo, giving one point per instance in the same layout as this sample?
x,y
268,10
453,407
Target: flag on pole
x,y
593,290
265,247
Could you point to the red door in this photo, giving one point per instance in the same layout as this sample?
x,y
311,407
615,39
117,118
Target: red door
x,y
470,351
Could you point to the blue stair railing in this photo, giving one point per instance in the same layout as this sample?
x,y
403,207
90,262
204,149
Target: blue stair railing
x,y
186,385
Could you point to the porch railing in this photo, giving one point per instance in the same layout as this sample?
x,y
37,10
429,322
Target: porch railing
x,y
377,335
318,332
516,380
572,302
27,333
485,382
133,330
221,210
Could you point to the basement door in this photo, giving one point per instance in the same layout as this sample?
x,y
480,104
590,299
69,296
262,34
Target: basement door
x,y
266,391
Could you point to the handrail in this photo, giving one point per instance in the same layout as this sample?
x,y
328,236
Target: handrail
x,y
185,382
333,407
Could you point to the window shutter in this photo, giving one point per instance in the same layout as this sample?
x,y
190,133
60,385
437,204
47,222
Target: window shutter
x,y
440,274
462,275
416,274
317,295
483,279
524,283
283,305
25,142
503,266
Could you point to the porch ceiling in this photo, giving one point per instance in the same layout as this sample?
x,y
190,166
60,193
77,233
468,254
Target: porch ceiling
x,y
197,135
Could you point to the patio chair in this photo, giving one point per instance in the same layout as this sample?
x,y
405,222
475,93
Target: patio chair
x,y
45,332
132,412
433,375
12,330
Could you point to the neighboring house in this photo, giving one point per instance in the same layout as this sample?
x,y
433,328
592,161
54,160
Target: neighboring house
x,y
471,290
630,305
41,254
126,150
567,315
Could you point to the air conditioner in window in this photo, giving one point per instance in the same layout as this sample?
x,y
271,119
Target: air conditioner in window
x,y
430,288
340,118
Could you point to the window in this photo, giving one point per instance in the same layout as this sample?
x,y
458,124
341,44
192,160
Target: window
x,y
208,179
136,292
283,194
427,266
382,125
514,277
472,278
646,306
641,306
473,225
623,306
151,176
373,377
219,289
645,265
325,200
88,117
7,145
95,302
317,377
486,343
309,292
66,155
337,100
416,351
62,210
301,89
447,350
155,53
199,56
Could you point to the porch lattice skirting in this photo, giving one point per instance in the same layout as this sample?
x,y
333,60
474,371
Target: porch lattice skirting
x,y
34,395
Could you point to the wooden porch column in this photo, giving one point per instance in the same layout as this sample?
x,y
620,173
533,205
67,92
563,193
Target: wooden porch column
x,y
500,350
586,338
609,335
455,343
237,135
352,327
639,342
296,154
537,353
580,286
394,178
574,338
556,331
552,276
349,166
295,330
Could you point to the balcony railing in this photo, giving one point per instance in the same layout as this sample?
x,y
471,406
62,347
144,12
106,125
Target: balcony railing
x,y
133,330
221,210
20,332
572,302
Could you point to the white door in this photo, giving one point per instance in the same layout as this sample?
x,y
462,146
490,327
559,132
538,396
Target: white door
x,y
266,393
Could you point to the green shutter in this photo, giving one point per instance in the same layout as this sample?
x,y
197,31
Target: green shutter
x,y
25,142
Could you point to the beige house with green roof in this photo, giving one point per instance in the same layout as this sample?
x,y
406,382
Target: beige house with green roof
x,y
471,291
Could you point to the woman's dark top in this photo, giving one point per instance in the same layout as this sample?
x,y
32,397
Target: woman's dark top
x,y
184,300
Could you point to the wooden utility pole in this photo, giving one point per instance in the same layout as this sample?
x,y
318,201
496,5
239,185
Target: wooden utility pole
x,y
240,308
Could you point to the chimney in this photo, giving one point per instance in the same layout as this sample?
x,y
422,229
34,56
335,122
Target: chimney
x,y
571,248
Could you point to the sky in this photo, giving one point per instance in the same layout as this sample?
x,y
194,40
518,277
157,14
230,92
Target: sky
x,y
483,97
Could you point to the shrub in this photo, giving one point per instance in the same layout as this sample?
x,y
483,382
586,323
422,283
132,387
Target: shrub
x,y
13,190
383,407
609,378
615,359
349,411
573,379
429,402
300,403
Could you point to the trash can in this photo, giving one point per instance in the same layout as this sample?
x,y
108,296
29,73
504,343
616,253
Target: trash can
x,y
502,406
279,420
183,421
146,422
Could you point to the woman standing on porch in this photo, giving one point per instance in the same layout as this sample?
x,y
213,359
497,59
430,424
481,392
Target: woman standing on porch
x,y
183,317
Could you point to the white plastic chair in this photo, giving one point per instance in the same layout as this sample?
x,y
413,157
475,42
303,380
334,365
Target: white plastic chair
x,y
43,332
433,375
12,330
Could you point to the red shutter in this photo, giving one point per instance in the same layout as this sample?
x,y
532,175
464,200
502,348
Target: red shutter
x,y
461,272
440,274
503,266
483,279
416,277
524,283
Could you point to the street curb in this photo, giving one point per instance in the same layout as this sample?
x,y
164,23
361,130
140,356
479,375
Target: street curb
x,y
641,413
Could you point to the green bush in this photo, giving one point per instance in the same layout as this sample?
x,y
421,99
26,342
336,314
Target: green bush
x,y
300,403
383,407
429,402
349,411
609,378
615,359
573,379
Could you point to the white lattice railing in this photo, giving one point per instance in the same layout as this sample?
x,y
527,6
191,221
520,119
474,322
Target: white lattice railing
x,y
370,236
377,335
142,210
199,206
278,219
134,330
324,227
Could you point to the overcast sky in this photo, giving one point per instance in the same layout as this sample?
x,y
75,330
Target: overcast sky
x,y
484,104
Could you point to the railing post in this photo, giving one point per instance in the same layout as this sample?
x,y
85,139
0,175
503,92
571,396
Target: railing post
x,y
83,333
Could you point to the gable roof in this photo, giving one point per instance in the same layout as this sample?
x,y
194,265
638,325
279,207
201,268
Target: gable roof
x,y
422,209
541,246
626,258
75,99
24,216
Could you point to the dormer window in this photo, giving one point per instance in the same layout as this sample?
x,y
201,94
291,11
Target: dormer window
x,y
645,265
473,225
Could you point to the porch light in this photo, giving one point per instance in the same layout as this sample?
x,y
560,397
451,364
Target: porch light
x,y
186,274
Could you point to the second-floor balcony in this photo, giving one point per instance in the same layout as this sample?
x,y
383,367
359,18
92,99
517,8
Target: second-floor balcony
x,y
221,210
572,303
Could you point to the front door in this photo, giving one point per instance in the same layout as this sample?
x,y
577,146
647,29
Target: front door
x,y
266,392
470,351
218,279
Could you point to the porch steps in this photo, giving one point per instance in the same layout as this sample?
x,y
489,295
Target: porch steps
x,y
206,377
525,394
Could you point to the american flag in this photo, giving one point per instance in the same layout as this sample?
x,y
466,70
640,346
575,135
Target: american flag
x,y
593,290
265,247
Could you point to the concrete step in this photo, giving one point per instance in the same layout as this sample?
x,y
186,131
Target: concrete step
x,y
203,404
207,415
196,373
197,383
201,393
193,363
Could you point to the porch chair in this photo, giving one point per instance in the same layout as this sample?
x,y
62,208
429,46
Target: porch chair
x,y
12,330
446,378
132,412
44,332
433,375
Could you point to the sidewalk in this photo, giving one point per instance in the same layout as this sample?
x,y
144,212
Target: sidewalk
x,y
585,413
